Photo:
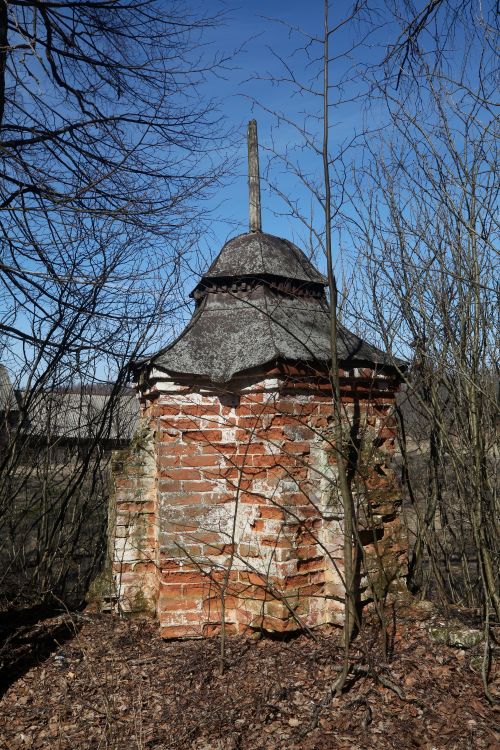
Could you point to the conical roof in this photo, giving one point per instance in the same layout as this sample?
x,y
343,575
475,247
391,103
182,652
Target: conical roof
x,y
262,254
282,315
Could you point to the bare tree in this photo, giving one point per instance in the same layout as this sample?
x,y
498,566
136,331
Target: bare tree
x,y
427,231
414,193
107,148
327,86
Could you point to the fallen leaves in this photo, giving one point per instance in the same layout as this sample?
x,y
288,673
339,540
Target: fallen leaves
x,y
116,684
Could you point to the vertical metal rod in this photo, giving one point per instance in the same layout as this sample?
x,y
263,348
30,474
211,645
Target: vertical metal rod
x,y
254,178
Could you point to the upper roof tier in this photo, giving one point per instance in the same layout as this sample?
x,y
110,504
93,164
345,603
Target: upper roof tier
x,y
260,254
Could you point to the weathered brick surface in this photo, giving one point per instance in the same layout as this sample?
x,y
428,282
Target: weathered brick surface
x,y
133,519
233,507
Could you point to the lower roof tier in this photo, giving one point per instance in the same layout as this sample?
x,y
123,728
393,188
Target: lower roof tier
x,y
231,334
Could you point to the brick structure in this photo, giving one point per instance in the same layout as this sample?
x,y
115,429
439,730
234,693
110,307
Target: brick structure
x,y
229,498
226,505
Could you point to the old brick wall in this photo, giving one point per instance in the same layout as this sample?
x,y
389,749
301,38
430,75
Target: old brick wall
x,y
244,511
133,524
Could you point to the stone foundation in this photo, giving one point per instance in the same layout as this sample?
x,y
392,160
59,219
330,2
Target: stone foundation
x,y
227,506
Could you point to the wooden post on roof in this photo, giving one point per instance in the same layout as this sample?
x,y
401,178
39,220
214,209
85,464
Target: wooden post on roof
x,y
254,178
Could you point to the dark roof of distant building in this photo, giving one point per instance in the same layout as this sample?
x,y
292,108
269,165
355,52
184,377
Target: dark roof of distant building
x,y
7,394
80,414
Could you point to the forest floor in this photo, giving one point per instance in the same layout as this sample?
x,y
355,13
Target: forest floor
x,y
116,684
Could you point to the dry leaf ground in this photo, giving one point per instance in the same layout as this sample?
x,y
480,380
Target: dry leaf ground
x,y
116,684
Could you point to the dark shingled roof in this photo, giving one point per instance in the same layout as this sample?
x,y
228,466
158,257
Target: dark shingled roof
x,y
230,334
260,254
236,328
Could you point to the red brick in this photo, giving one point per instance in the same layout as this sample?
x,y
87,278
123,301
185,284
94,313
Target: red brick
x,y
195,590
176,474
313,589
124,482
278,472
249,423
167,437
201,410
262,461
320,423
276,542
249,456
137,507
253,449
277,625
201,460
218,498
294,582
171,591
307,553
319,575
181,604
181,498
167,563
167,410
235,473
169,460
251,499
179,449
213,604
387,432
307,539
273,434
296,446
203,436
182,577
252,578
177,526
221,449
293,498
209,537
326,409
258,525
211,629
307,566
240,484
178,631
192,486
239,461
271,511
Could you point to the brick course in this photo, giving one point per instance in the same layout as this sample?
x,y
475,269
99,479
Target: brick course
x,y
231,496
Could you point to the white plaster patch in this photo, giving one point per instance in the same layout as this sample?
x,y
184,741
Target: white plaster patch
x,y
219,518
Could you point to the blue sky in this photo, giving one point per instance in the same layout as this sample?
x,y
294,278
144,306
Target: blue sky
x,y
249,26
262,32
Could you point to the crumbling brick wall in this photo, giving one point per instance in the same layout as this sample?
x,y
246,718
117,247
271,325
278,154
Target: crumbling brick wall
x,y
244,521
133,521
